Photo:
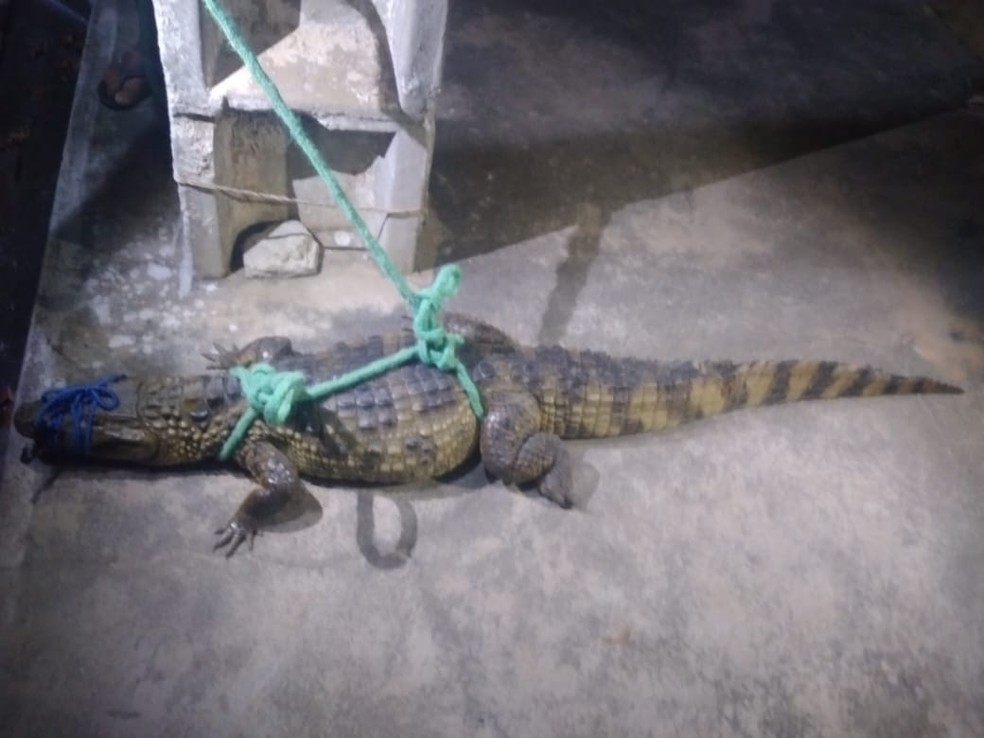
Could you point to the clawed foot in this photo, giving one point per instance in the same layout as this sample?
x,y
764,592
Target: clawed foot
x,y
222,358
233,535
556,492
266,349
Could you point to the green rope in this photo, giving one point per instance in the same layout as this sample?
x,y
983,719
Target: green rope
x,y
271,395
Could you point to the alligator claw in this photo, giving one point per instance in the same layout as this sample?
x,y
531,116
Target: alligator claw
x,y
222,358
233,535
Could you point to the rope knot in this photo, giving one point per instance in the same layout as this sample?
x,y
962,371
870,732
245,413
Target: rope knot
x,y
434,345
80,402
271,394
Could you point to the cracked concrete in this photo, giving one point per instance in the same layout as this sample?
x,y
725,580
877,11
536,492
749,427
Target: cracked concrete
x,y
809,570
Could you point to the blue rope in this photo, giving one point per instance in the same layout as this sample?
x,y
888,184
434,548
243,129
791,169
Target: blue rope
x,y
80,401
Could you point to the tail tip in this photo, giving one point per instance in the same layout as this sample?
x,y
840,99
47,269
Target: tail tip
x,y
933,386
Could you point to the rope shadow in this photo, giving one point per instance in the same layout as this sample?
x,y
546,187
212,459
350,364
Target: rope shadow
x,y
365,532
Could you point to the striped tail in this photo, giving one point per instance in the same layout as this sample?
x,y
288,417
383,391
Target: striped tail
x,y
717,387
769,383
614,397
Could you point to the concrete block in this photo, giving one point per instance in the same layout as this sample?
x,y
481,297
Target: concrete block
x,y
415,32
330,61
199,226
288,250
363,75
399,235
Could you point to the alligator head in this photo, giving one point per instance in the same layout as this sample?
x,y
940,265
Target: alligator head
x,y
149,422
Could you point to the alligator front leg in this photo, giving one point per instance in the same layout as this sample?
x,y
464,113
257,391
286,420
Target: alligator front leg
x,y
265,349
278,480
515,450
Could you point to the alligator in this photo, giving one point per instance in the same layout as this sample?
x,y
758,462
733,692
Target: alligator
x,y
415,422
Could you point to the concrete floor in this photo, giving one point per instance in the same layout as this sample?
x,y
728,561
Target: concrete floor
x,y
656,182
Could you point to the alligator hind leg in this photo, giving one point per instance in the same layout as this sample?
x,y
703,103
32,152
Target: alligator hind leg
x,y
546,461
278,480
515,450
265,349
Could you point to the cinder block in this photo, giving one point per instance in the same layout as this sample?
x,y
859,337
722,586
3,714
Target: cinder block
x,y
362,74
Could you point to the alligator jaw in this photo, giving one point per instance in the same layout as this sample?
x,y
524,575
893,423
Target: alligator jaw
x,y
114,438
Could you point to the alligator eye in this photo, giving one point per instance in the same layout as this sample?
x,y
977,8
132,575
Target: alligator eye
x,y
199,414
